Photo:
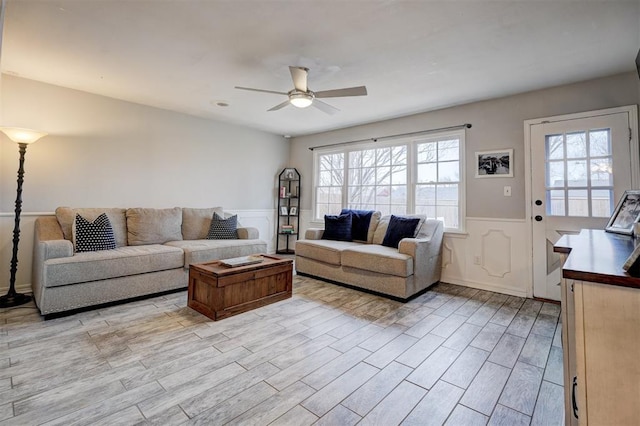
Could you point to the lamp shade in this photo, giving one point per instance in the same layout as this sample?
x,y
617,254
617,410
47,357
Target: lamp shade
x,y
19,135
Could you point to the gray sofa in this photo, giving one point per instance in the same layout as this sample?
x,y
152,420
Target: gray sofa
x,y
154,248
400,273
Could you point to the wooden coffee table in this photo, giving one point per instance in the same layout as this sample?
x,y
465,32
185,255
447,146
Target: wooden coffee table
x,y
219,291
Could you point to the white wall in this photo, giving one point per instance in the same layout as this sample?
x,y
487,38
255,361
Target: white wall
x,y
493,253
104,152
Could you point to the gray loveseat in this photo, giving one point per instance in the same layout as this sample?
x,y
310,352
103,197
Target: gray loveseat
x,y
399,273
154,248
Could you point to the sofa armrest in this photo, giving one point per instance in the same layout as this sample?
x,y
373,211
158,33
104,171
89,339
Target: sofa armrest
x,y
54,249
49,241
248,233
313,234
426,253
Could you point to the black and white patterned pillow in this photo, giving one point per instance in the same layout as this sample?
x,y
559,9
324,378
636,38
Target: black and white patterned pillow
x,y
223,229
94,236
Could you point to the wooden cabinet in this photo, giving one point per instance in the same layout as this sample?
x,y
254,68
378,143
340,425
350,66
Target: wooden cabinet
x,y
600,330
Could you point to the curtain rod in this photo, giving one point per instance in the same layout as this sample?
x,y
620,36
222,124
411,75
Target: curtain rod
x,y
421,132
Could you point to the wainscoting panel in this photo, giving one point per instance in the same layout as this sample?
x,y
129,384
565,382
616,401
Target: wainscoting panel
x,y
492,255
263,220
25,249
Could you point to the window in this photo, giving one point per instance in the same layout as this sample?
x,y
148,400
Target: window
x,y
438,183
328,191
579,179
419,175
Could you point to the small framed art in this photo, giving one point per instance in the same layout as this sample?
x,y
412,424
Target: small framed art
x,y
496,163
627,213
289,174
284,211
293,211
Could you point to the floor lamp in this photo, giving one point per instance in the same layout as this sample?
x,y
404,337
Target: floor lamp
x,y
22,137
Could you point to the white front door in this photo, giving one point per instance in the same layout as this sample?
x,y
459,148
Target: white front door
x,y
580,167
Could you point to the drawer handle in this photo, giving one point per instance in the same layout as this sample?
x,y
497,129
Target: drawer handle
x,y
573,397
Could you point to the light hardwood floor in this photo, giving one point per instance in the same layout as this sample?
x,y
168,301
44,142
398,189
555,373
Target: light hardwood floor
x,y
327,356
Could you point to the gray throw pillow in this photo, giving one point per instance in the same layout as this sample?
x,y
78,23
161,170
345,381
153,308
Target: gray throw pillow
x,y
153,226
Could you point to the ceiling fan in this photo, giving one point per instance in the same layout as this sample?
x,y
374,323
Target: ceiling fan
x,y
302,97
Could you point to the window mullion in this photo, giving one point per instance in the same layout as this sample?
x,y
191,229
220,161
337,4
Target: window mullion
x,y
345,180
412,170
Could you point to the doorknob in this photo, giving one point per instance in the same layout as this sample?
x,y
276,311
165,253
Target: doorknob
x,y
538,202
538,218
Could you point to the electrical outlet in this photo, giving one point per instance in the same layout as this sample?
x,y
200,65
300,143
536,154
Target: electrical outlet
x,y
476,260
507,191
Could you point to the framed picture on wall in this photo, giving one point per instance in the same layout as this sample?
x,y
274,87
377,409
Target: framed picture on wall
x,y
627,213
496,163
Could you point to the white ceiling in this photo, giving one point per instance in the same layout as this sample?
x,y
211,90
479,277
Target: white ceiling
x,y
413,56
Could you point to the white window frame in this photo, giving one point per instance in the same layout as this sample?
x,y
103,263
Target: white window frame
x,y
411,143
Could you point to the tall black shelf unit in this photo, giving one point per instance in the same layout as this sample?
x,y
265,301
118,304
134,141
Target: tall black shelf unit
x,y
288,203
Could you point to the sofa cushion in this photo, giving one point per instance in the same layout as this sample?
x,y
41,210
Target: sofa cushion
x,y
327,251
360,221
381,229
153,226
93,236
198,251
102,265
223,229
399,228
67,215
377,258
196,222
337,228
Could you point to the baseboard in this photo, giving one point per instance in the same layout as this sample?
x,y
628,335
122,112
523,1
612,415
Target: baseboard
x,y
486,286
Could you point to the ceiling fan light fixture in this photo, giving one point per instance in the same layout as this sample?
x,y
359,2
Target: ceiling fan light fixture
x,y
301,100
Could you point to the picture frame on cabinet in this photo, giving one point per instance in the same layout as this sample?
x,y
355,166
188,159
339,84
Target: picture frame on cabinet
x,y
284,211
293,211
626,214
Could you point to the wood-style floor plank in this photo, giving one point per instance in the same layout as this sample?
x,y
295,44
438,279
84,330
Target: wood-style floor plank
x,y
327,356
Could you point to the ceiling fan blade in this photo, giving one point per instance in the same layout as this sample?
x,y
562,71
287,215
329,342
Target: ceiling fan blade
x,y
279,106
299,76
324,107
261,90
336,93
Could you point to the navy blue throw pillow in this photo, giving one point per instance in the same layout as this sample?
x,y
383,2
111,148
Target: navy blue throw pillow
x,y
337,228
94,236
399,228
360,220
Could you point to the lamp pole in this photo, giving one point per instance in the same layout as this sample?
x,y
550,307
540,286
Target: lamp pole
x,y
13,298
23,137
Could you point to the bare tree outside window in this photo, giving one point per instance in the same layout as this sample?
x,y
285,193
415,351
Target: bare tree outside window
x,y
580,174
418,176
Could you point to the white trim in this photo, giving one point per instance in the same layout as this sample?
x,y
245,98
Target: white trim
x,y
12,214
488,287
496,219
